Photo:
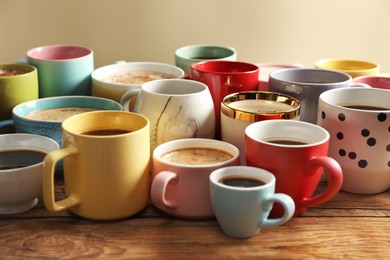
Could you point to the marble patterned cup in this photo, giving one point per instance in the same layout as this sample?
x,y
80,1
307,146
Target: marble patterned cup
x,y
176,108
52,128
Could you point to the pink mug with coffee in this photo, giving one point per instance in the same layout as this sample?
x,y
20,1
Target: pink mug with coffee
x,y
225,77
296,152
181,170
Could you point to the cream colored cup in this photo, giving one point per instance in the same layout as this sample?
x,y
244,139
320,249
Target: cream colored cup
x,y
355,68
106,176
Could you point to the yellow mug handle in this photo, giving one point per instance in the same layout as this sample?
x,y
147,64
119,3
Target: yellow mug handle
x,y
49,165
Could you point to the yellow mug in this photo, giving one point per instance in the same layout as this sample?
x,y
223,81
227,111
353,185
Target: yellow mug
x,y
355,68
18,83
106,156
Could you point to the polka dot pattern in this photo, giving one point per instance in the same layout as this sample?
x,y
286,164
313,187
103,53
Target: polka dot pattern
x,y
371,141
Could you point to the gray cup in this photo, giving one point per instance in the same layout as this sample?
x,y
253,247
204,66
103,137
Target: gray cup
x,y
307,84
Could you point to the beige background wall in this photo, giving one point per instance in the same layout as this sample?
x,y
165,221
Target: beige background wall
x,y
150,30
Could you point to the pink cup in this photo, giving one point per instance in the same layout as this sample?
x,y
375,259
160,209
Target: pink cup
x,y
182,190
268,68
382,82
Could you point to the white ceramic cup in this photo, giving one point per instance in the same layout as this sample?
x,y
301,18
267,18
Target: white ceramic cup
x,y
102,88
20,187
359,138
176,108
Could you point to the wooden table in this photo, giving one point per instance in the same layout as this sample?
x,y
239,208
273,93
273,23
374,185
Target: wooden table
x,y
348,227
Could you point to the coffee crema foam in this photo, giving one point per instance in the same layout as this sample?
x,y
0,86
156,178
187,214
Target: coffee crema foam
x,y
261,106
58,114
196,156
137,77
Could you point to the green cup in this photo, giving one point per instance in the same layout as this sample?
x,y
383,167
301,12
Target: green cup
x,y
63,70
187,55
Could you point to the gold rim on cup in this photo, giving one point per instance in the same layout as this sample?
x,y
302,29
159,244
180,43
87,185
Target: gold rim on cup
x,y
243,115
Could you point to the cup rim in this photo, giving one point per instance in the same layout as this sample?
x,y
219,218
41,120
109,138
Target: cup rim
x,y
251,67
42,138
242,171
85,52
190,143
95,74
325,136
275,76
167,83
178,52
370,66
48,99
243,115
31,69
324,96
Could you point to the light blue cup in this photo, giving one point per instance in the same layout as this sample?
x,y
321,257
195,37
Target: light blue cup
x,y
62,69
242,211
52,129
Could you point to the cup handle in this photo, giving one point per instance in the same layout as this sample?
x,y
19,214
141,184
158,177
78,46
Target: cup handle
x,y
159,187
288,205
8,122
126,98
334,175
49,164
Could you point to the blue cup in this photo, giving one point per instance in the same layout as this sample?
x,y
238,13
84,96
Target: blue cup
x,y
51,128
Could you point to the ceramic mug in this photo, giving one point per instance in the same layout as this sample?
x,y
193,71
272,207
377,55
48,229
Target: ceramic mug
x,y
224,78
188,55
358,122
238,110
21,164
355,68
382,82
112,81
18,83
296,153
176,108
62,69
242,198
268,68
181,170
307,84
44,116
106,165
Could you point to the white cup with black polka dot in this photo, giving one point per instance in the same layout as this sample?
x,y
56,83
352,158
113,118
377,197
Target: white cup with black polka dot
x,y
358,120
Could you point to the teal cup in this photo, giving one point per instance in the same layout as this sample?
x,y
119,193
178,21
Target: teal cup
x,y
187,55
62,69
242,198
44,116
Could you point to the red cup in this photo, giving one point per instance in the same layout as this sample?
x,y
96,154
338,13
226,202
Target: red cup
x,y
224,78
298,168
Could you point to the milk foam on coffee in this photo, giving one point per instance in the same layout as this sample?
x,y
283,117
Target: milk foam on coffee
x,y
137,77
196,156
57,114
261,106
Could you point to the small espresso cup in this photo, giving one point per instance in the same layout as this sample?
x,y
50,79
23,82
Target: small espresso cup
x,y
242,198
18,84
355,68
106,165
62,69
188,55
224,78
296,153
176,108
268,68
238,110
307,84
358,121
181,170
